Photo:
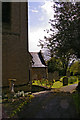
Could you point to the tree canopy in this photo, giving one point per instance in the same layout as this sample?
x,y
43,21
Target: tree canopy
x,y
54,64
64,41
75,68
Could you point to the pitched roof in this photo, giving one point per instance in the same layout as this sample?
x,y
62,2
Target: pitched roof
x,y
37,60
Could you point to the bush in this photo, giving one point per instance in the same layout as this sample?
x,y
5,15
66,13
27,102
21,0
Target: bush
x,y
72,79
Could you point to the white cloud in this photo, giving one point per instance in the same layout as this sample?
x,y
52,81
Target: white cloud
x,y
47,9
41,18
34,37
35,11
36,33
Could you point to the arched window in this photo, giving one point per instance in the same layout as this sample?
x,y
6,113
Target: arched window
x,y
6,12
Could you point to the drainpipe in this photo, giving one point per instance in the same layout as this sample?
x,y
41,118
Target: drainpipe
x,y
30,75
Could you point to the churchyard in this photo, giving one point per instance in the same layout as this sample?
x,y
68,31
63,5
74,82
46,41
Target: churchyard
x,y
55,83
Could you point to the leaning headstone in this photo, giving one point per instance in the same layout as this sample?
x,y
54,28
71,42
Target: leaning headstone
x,y
65,81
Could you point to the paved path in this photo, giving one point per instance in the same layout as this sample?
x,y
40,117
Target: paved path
x,y
50,104
69,88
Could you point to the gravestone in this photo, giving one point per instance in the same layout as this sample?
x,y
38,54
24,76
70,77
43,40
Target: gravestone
x,y
65,81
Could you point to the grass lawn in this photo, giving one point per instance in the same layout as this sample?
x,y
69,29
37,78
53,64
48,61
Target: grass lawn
x,y
56,84
73,83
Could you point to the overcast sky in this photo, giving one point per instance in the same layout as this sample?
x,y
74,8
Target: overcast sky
x,y
39,15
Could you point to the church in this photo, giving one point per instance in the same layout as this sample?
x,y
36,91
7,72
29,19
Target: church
x,y
16,59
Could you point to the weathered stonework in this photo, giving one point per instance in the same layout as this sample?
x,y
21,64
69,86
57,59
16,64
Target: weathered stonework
x,y
39,67
15,55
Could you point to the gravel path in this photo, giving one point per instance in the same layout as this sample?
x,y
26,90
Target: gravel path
x,y
50,104
69,88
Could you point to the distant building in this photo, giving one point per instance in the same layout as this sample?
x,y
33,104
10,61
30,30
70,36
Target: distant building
x,y
15,56
39,68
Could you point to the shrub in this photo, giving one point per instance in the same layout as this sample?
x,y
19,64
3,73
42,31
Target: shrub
x,y
72,79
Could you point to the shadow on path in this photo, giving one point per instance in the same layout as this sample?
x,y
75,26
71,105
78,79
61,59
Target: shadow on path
x,y
51,104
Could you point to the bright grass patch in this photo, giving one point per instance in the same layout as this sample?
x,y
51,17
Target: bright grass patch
x,y
48,84
57,84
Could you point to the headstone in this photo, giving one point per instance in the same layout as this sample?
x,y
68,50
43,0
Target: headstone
x,y
65,81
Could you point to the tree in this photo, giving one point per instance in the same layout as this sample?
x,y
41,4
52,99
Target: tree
x,y
54,64
75,68
76,23
62,42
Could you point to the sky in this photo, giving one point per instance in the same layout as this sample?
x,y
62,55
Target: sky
x,y
39,14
